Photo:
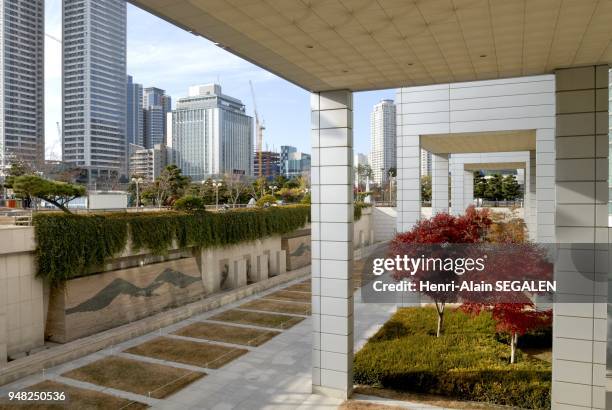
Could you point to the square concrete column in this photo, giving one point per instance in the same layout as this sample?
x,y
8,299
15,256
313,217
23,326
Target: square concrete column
x,y
579,329
462,186
468,189
545,185
408,181
530,204
439,183
332,242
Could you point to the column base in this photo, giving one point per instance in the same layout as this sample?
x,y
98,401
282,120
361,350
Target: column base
x,y
329,392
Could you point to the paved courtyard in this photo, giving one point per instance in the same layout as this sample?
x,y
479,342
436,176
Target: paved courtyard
x,y
275,374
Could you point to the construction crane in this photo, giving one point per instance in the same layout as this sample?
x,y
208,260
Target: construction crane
x,y
53,38
259,130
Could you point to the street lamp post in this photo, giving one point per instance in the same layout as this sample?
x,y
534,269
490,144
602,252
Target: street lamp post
x,y
137,181
216,185
272,188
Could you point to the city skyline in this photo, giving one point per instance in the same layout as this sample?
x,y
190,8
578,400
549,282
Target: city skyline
x,y
164,56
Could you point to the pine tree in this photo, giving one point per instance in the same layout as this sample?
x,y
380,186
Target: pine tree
x,y
494,191
480,185
510,188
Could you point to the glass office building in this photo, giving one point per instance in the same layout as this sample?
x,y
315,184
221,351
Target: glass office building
x,y
135,125
211,134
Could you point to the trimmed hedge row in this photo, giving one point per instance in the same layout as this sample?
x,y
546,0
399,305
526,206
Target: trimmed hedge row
x,y
358,208
70,246
467,362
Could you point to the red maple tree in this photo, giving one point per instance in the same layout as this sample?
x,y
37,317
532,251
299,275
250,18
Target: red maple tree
x,y
515,319
512,257
441,229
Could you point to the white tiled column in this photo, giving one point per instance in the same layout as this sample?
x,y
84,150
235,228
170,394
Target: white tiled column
x,y
439,183
579,329
531,197
468,189
545,185
408,181
332,242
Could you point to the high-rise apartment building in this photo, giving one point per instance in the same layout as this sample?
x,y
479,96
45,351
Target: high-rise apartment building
x,y
610,146
135,113
211,134
382,138
426,162
22,46
94,86
156,107
147,163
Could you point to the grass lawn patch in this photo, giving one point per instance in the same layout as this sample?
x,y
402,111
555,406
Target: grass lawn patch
x,y
278,306
290,296
427,399
187,352
468,362
76,399
271,320
300,287
228,334
135,376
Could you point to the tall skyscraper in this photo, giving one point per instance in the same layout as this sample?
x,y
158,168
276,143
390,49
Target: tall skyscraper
x,y
383,140
286,152
135,114
154,126
211,134
610,145
156,107
94,86
22,46
426,162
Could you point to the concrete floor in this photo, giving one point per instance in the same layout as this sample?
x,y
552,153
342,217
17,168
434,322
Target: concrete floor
x,y
275,375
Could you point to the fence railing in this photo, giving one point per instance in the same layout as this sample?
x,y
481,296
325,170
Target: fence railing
x,y
499,204
485,204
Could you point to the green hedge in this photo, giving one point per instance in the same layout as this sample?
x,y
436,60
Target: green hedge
x,y
70,246
357,208
467,362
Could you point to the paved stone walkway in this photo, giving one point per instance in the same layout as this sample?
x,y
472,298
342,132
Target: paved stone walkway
x,y
275,375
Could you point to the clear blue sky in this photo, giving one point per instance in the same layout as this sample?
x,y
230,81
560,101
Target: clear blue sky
x,y
164,56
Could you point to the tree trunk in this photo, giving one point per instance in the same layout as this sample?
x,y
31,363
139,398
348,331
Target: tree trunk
x,y
513,342
440,310
57,204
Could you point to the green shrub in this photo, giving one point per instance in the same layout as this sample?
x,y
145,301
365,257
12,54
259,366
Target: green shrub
x,y
70,246
357,210
271,199
189,203
467,362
